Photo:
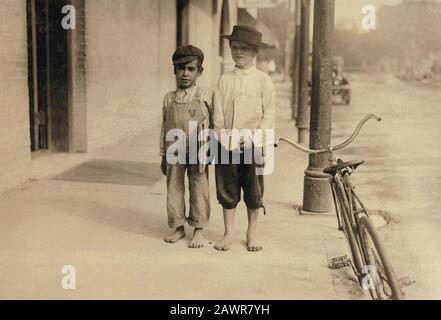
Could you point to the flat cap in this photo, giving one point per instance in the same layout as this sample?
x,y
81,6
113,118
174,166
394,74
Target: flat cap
x,y
187,54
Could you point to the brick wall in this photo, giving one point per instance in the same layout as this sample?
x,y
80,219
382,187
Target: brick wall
x,y
128,44
14,119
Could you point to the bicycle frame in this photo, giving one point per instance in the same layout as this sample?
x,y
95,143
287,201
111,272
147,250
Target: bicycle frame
x,y
348,208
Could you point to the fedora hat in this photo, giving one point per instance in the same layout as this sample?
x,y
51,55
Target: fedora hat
x,y
248,35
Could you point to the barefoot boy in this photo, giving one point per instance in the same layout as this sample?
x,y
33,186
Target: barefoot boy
x,y
244,99
189,103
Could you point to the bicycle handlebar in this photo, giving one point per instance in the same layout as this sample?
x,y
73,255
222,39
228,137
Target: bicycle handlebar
x,y
330,148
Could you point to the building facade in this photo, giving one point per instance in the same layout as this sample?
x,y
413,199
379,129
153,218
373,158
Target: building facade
x,y
82,89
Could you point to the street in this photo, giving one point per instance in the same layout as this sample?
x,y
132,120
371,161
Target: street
x,y
104,214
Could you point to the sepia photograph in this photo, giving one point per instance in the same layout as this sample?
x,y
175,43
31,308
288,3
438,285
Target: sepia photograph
x,y
220,150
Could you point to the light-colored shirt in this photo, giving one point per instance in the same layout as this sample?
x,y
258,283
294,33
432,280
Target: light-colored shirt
x,y
182,96
237,82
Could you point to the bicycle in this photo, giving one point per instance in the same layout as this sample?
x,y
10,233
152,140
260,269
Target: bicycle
x,y
370,261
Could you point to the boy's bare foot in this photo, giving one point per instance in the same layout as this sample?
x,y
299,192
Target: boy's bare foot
x,y
198,239
224,244
177,235
252,244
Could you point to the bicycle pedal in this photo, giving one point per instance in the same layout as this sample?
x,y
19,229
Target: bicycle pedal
x,y
339,262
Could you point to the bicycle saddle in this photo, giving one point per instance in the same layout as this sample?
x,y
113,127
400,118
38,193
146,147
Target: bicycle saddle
x,y
343,165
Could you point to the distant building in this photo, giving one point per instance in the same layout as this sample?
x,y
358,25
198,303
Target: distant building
x,y
84,89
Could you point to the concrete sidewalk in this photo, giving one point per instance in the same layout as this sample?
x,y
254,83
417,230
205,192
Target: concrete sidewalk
x,y
104,214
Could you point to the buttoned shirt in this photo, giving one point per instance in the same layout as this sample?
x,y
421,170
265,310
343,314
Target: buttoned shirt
x,y
182,96
250,82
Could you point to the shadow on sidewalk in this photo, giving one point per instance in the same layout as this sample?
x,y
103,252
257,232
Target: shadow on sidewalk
x,y
128,210
114,172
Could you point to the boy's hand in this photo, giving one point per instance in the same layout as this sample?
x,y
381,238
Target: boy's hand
x,y
261,157
164,165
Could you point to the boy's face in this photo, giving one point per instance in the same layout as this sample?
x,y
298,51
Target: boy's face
x,y
187,74
242,53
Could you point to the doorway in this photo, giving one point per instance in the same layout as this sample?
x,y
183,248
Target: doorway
x,y
47,76
182,22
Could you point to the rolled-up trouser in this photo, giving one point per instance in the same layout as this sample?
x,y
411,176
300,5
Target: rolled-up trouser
x,y
231,178
199,196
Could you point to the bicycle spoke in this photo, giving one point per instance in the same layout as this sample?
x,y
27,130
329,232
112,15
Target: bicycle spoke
x,y
383,277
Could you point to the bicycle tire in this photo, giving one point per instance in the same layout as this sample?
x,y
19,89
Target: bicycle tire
x,y
347,227
383,267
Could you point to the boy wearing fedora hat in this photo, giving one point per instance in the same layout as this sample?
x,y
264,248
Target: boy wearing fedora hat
x,y
182,108
244,100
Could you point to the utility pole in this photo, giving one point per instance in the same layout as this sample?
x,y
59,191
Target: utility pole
x,y
302,122
289,32
317,193
295,61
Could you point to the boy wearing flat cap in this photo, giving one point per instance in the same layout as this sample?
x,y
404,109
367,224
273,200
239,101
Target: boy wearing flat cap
x,y
244,100
186,110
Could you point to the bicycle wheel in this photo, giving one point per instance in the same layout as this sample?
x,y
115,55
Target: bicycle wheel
x,y
383,284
